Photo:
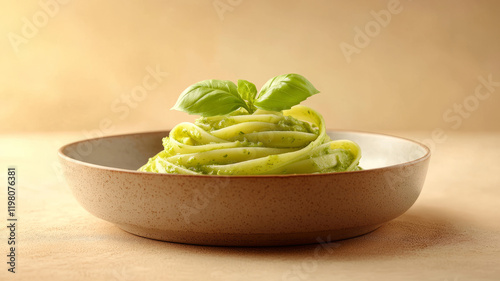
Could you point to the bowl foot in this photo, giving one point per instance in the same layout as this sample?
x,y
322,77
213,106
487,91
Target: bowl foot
x,y
248,239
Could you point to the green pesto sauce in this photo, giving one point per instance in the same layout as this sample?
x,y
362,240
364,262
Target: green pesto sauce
x,y
289,123
210,124
344,160
286,123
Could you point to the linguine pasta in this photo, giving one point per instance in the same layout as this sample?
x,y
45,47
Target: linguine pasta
x,y
293,141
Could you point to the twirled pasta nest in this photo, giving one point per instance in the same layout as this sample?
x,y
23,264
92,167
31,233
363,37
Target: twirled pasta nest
x,y
293,141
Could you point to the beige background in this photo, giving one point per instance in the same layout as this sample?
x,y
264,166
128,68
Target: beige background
x,y
71,71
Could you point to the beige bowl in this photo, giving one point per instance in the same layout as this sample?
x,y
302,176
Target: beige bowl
x,y
244,210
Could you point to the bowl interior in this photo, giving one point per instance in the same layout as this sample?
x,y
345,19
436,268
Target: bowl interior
x,y
380,151
127,152
131,151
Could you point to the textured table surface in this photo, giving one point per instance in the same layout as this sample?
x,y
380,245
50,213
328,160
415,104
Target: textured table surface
x,y
451,233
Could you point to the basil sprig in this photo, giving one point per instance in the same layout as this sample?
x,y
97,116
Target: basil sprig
x,y
219,97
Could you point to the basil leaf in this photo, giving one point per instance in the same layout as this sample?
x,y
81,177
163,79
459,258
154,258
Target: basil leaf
x,y
210,98
247,90
284,91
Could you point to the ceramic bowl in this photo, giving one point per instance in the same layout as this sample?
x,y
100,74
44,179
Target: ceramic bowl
x,y
244,210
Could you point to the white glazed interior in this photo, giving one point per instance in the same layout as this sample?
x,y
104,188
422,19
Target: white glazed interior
x,y
380,151
131,151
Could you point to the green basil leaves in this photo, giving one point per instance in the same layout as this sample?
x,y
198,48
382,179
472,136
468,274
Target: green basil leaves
x,y
210,98
219,97
284,91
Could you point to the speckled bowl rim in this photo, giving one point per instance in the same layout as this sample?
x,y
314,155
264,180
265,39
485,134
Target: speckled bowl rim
x,y
400,165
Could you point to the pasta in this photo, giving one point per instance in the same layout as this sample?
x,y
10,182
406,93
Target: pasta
x,y
293,141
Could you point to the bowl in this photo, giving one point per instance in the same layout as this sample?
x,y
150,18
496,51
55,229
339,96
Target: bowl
x,y
264,210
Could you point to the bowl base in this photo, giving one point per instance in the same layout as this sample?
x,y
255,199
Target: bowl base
x,y
248,239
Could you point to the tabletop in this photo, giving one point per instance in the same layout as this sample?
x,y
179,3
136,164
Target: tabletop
x,y
451,233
